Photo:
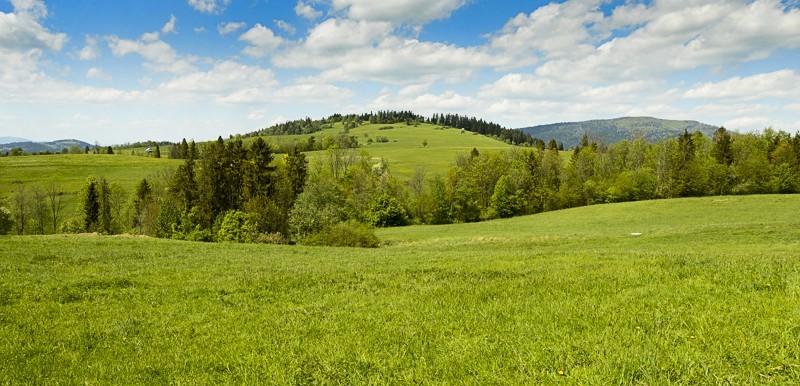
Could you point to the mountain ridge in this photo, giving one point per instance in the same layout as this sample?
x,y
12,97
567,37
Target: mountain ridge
x,y
614,130
38,147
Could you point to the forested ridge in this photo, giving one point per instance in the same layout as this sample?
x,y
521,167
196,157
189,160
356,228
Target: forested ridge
x,y
232,191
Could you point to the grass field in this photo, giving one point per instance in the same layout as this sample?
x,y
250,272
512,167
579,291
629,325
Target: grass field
x,y
708,294
70,171
404,151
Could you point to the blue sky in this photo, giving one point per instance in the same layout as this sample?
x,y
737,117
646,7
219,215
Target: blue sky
x,y
122,71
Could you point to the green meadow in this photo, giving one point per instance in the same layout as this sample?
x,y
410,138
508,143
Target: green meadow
x,y
71,170
706,292
404,150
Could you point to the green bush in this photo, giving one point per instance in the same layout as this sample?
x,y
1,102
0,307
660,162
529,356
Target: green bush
x,y
6,220
236,227
386,211
346,234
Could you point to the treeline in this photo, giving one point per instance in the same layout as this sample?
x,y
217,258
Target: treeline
x,y
471,124
227,191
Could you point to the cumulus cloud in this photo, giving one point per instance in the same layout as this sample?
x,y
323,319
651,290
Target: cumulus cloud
x,y
304,10
286,27
159,56
778,84
261,41
230,27
90,51
98,74
170,26
31,8
399,11
209,6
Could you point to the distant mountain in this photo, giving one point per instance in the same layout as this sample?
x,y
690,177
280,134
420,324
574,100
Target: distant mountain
x,y
611,131
38,147
5,140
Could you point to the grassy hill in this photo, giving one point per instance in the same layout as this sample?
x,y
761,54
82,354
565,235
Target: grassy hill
x,y
614,130
404,150
38,147
71,171
707,294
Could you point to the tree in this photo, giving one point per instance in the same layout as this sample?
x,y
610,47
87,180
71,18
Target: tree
x,y
722,149
109,150
143,201
386,211
504,202
90,204
258,172
55,195
38,210
21,203
157,153
6,220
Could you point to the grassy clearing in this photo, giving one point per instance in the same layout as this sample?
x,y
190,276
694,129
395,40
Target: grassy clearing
x,y
709,293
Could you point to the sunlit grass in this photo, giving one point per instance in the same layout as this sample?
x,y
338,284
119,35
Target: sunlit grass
x,y
709,293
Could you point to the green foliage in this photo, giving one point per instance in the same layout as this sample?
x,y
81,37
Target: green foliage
x,y
386,211
90,204
504,202
321,205
6,221
236,228
344,234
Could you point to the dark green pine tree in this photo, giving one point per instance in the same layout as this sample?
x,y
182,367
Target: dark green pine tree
x,y
258,172
296,173
90,204
157,153
722,149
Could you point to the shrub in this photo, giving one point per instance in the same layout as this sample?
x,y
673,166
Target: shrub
x,y
271,238
386,211
235,228
6,220
346,234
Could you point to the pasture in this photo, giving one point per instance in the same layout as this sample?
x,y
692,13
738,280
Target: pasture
x,y
708,294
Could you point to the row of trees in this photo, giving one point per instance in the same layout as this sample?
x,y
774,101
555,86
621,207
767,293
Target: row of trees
x,y
228,191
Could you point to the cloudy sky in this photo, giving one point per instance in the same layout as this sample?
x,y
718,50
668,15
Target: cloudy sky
x,y
119,71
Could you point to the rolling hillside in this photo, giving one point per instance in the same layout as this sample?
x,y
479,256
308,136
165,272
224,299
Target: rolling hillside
x,y
614,130
565,297
38,147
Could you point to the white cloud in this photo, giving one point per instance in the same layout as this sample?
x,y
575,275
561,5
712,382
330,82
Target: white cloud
x,y
778,84
200,29
159,56
399,11
334,36
209,6
23,31
262,41
223,82
32,8
555,31
427,104
170,26
286,27
96,73
304,10
90,51
257,115
230,27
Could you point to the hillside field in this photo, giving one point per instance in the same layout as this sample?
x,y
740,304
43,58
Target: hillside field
x,y
709,293
404,152
71,170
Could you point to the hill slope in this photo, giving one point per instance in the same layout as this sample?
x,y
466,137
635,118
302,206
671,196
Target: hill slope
x,y
563,297
614,130
5,140
38,147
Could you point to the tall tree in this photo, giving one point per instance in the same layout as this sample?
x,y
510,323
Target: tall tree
x,y
90,204
55,195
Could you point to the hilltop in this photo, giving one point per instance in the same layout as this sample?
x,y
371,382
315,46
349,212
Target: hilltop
x,y
611,131
39,147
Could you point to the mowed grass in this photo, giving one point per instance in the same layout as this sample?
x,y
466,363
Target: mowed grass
x,y
708,294
71,170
